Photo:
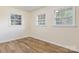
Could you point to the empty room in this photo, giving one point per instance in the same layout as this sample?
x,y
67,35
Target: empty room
x,y
39,29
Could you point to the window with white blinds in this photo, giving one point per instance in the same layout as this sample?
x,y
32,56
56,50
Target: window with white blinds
x,y
65,17
41,19
16,19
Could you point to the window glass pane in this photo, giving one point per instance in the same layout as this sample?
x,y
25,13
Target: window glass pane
x,y
15,19
41,19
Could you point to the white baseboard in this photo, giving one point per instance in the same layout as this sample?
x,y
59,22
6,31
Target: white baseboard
x,y
73,48
3,41
65,46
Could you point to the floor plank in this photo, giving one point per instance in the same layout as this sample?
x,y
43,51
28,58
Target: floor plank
x,y
31,45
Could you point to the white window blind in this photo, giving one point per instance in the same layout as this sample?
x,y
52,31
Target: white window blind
x,y
41,19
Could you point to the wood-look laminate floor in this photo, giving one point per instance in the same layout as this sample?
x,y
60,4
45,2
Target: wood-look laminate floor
x,y
31,45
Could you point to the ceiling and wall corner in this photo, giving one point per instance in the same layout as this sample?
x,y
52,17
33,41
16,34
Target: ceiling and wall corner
x,y
28,8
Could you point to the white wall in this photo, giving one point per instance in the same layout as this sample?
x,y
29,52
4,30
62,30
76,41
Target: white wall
x,y
63,36
8,32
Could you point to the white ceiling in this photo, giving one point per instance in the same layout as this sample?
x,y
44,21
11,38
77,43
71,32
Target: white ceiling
x,y
28,8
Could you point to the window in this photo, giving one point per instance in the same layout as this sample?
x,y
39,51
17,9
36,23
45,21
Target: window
x,y
16,19
41,20
65,17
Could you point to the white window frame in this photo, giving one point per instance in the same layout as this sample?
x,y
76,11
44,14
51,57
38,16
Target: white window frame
x,y
73,17
40,21
16,19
